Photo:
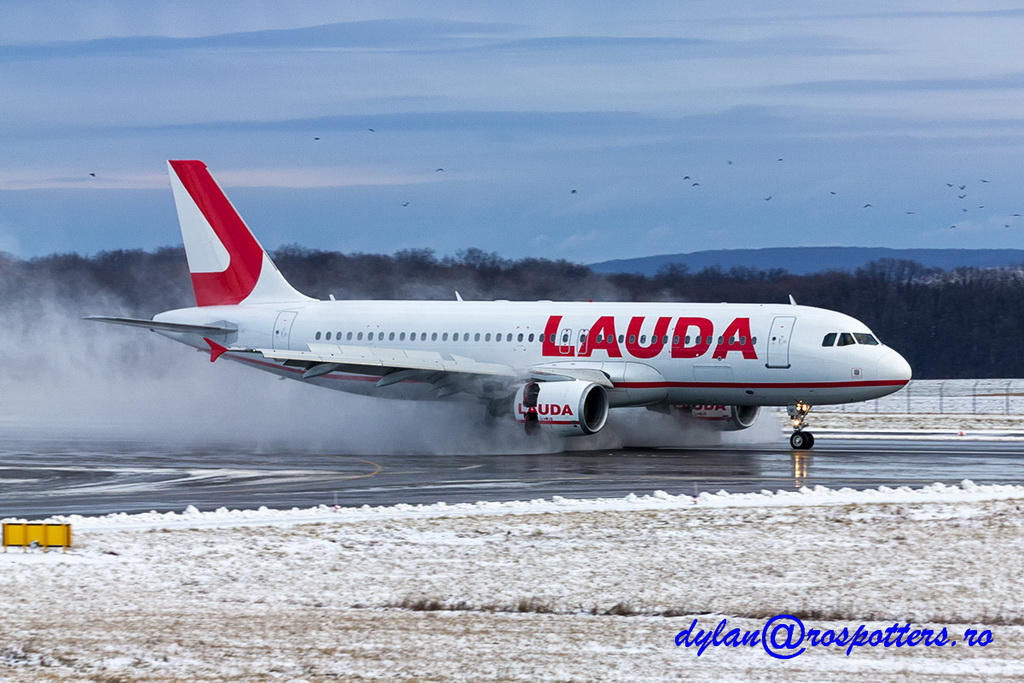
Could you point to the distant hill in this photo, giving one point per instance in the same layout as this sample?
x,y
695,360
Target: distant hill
x,y
806,260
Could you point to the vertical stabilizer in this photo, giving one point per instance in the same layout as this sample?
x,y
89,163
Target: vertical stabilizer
x,y
227,263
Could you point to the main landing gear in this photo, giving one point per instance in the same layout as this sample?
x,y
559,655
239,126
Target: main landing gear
x,y
799,439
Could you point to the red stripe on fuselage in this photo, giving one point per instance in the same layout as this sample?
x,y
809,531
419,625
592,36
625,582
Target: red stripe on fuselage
x,y
760,385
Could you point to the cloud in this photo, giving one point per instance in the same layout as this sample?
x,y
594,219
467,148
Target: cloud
x,y
294,178
390,34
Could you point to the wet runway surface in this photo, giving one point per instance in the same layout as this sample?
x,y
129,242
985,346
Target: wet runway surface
x,y
40,478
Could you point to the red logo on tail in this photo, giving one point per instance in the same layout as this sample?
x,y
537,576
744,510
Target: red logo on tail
x,y
236,282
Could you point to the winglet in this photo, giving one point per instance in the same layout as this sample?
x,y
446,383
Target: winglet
x,y
216,350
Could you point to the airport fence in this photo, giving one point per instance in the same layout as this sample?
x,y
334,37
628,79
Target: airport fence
x,y
946,396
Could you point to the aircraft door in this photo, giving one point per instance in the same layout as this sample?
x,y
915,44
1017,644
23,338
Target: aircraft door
x,y
283,330
584,338
565,345
778,341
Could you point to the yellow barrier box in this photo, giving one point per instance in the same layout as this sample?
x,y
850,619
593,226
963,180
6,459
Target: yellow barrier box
x,y
45,535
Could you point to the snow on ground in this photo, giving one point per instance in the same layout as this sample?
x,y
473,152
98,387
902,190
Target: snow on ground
x,y
552,590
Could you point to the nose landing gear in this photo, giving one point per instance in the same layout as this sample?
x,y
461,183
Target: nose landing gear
x,y
799,439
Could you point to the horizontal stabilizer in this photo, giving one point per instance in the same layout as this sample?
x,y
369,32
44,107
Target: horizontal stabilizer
x,y
164,327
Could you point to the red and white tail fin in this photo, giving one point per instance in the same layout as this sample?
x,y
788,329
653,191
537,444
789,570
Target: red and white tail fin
x,y
227,263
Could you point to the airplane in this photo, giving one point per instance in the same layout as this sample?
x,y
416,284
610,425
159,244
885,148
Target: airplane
x,y
553,366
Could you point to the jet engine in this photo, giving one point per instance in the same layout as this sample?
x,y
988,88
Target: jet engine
x,y
725,418
570,408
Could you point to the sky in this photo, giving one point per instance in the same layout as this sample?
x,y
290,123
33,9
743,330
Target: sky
x,y
577,130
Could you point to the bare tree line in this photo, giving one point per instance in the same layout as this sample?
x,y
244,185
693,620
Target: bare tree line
x,y
966,323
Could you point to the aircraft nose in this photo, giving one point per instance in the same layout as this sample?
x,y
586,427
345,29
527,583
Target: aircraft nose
x,y
894,367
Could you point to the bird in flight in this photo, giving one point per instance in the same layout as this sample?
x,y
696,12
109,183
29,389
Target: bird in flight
x,y
405,204
866,206
769,198
438,169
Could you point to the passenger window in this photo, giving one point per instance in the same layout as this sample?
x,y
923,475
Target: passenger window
x,y
391,336
530,338
520,337
401,337
476,337
444,337
829,340
348,336
317,336
337,335
675,340
621,338
643,338
433,336
328,337
487,337
632,339
845,339
360,336
508,337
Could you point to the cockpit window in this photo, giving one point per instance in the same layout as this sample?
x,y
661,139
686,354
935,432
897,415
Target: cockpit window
x,y
830,339
845,339
865,338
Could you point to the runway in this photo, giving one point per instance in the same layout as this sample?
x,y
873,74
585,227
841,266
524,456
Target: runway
x,y
42,478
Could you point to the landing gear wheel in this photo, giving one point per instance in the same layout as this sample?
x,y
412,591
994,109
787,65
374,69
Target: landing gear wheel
x,y
801,441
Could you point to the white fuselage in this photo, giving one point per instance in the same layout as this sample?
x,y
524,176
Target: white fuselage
x,y
654,353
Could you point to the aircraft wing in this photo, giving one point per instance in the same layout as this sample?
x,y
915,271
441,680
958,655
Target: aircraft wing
x,y
455,373
325,358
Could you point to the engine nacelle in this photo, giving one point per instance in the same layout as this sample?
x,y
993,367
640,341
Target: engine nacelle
x,y
572,408
725,418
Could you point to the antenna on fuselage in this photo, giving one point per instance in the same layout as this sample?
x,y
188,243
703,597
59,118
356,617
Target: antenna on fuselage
x,y
792,301
458,297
